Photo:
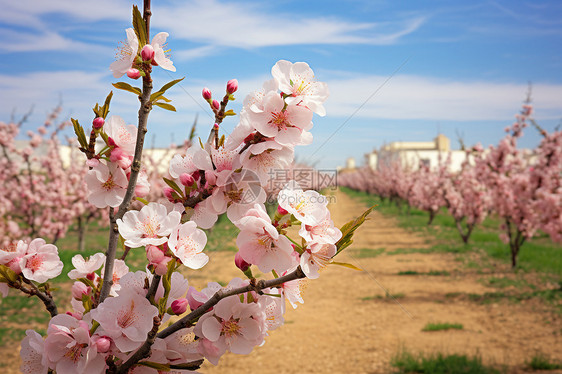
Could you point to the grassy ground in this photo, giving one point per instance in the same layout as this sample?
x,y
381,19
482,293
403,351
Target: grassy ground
x,y
406,362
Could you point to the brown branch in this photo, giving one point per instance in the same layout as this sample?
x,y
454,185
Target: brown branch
x,y
221,294
143,351
144,110
46,298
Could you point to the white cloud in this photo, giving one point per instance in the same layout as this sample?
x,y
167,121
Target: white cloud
x,y
416,97
248,25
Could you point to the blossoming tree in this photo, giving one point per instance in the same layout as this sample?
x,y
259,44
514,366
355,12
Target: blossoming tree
x,y
117,317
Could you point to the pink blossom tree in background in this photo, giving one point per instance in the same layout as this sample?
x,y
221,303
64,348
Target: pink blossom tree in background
x,y
40,195
120,320
426,190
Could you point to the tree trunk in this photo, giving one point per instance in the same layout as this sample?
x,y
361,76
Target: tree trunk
x,y
81,234
431,217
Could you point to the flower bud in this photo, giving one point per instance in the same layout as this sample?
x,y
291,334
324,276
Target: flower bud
x,y
79,289
133,73
232,86
154,254
216,104
207,94
240,263
179,306
98,122
168,192
91,276
196,175
103,344
186,180
147,53
281,211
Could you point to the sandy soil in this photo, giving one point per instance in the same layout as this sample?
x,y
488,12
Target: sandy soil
x,y
348,324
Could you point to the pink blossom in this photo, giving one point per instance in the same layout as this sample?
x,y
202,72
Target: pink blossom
x,y
260,244
160,57
181,346
323,232
151,225
232,325
119,270
124,136
84,267
309,207
285,124
79,289
187,243
195,158
264,158
316,256
293,290
107,185
126,319
32,354
126,55
297,81
11,255
41,261
69,348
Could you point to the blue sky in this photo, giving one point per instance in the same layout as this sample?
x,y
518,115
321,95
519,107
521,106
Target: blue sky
x,y
397,70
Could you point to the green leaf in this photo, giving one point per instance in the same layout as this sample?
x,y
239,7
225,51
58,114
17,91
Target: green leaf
x,y
106,104
79,131
229,112
345,264
127,87
170,84
165,106
173,185
349,228
144,201
140,27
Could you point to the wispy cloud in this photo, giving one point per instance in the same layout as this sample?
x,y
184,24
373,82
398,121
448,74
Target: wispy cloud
x,y
426,98
248,25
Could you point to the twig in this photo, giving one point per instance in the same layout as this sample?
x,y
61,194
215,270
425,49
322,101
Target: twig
x,y
221,294
145,108
143,351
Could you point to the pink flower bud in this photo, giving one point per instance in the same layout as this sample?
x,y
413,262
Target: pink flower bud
x,y
240,263
179,306
207,93
216,126
133,73
281,210
187,180
216,104
147,53
79,289
195,298
154,254
168,191
98,122
232,86
103,344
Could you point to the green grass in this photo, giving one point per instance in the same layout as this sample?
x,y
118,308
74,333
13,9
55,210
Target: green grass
x,y
222,236
442,326
439,363
542,362
539,254
368,252
432,272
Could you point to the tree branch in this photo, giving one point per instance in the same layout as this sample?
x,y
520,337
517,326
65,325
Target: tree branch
x,y
145,108
221,294
143,351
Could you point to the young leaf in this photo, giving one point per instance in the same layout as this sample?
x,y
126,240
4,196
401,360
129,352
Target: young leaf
x,y
165,106
170,84
139,26
173,185
345,264
229,112
127,87
79,131
106,104
349,228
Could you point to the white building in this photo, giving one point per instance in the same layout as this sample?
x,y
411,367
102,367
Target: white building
x,y
411,154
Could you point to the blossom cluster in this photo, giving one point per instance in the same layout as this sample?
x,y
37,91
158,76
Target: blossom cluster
x,y
222,176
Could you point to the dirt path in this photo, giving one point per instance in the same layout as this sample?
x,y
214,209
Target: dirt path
x,y
348,324
338,331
